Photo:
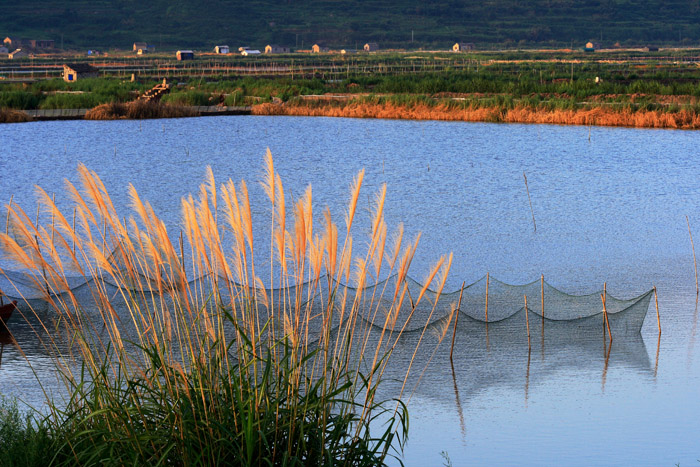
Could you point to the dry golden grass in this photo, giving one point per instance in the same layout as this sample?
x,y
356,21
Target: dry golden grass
x,y
682,119
138,110
13,116
225,337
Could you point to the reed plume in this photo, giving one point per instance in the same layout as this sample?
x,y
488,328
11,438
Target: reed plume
x,y
186,355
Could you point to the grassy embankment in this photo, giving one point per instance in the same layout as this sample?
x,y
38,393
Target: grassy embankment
x,y
483,110
652,93
621,96
220,370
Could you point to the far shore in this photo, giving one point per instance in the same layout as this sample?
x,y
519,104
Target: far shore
x,y
361,107
594,116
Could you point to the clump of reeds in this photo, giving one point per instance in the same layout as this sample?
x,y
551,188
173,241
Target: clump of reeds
x,y
495,110
13,116
139,109
220,370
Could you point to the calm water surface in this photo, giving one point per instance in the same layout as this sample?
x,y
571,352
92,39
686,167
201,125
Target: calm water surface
x,y
609,209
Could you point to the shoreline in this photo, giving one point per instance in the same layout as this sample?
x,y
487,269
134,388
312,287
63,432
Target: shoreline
x,y
595,116
358,108
41,115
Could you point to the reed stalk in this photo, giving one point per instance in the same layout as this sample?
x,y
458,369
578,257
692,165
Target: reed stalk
x,y
454,332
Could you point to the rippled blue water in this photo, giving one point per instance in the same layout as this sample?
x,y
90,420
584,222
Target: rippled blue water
x,y
609,209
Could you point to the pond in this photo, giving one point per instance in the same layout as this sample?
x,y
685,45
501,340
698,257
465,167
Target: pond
x,y
608,205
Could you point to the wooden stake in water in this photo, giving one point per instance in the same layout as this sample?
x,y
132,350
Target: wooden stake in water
x,y
454,332
487,298
604,296
530,200
695,262
542,298
527,324
658,318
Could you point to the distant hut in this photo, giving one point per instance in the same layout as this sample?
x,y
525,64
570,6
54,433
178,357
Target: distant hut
x,y
463,47
185,55
371,47
318,48
19,53
276,49
221,49
591,46
143,46
651,48
72,71
248,51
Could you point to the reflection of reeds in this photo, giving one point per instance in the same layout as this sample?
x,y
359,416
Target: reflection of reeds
x,y
220,371
473,111
138,110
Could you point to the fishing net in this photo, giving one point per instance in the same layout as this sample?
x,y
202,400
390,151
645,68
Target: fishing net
x,y
395,304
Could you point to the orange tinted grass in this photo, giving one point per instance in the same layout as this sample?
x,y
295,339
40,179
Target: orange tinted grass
x,y
599,116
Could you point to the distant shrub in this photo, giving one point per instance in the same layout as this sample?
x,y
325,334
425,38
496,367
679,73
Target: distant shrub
x,y
22,100
71,101
138,110
191,97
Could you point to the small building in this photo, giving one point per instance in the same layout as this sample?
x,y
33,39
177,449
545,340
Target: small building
x,y
318,48
221,49
185,55
276,49
41,44
651,48
463,47
72,71
19,53
591,46
248,51
371,47
140,46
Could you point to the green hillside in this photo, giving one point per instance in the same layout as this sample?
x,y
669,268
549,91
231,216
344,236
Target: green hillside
x,y
200,25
